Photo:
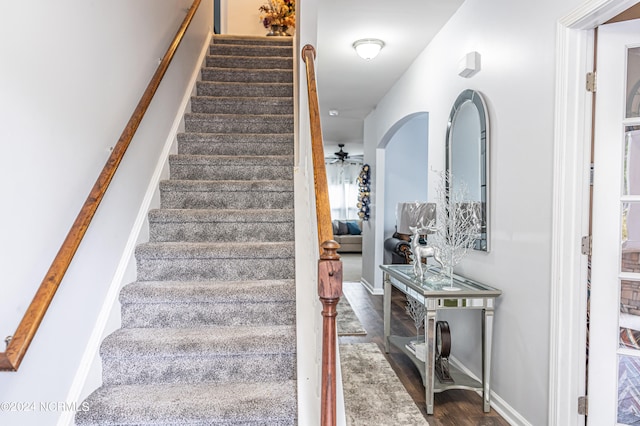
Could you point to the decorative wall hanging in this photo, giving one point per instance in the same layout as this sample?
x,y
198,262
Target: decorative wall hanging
x,y
364,195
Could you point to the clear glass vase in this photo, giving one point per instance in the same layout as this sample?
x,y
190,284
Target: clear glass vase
x,y
278,31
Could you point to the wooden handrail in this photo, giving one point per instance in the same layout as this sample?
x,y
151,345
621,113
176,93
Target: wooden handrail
x,y
329,265
325,229
19,343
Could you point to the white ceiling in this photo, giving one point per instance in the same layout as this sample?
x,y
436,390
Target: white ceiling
x,y
353,86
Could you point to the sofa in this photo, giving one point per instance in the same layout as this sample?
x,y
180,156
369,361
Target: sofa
x,y
398,248
348,233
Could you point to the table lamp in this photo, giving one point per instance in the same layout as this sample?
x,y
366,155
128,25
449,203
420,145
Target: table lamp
x,y
412,214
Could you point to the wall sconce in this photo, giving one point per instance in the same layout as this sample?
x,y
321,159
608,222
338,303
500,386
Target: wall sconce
x,y
469,65
368,48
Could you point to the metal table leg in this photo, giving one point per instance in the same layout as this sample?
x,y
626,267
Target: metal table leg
x,y
429,338
386,308
487,336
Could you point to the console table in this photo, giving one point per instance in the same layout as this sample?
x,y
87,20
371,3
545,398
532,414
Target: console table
x,y
470,295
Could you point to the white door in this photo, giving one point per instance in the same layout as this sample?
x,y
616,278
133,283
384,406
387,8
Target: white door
x,y
614,348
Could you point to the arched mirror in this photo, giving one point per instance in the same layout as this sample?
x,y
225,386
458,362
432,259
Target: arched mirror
x,y
467,148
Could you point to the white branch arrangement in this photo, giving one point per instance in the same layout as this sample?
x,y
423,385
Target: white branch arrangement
x,y
417,312
457,223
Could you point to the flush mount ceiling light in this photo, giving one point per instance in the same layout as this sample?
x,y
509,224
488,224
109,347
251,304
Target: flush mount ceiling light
x,y
368,48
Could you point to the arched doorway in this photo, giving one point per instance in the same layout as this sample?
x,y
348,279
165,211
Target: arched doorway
x,y
409,147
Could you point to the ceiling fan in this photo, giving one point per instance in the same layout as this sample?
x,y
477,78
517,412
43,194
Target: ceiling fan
x,y
341,155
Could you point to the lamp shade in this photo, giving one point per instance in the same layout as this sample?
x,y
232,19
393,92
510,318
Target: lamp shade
x,y
415,214
368,48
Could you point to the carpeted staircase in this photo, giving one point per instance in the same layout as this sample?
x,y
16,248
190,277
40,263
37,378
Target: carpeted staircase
x,y
208,330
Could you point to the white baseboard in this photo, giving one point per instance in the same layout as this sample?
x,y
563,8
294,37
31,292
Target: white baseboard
x,y
497,403
91,353
370,288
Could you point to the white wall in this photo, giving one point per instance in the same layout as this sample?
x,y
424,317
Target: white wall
x,y
72,74
406,168
242,17
373,229
517,43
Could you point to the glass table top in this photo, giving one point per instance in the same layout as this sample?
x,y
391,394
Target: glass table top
x,y
456,288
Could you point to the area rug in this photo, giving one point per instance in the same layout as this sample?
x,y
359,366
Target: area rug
x,y
347,321
373,394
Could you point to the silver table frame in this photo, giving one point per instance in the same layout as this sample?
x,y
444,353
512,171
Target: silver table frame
x,y
472,295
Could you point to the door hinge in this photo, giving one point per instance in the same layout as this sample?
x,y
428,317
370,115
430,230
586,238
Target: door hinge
x,y
583,405
591,82
586,245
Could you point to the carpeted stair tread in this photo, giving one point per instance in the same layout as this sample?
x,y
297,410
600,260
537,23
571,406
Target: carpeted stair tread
x,y
182,304
215,261
208,291
182,250
218,353
198,341
247,90
251,40
236,123
250,50
201,225
275,118
221,216
228,185
218,369
207,314
232,160
187,194
235,143
207,269
250,62
247,75
241,105
246,403
218,167
147,304
285,139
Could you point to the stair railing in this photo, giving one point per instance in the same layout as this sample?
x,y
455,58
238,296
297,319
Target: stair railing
x,y
18,344
329,265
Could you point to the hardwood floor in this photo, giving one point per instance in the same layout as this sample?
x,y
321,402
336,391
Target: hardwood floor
x,y
451,408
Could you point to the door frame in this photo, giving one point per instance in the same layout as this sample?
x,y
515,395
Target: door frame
x,y
571,171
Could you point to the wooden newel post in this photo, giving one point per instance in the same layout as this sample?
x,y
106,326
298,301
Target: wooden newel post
x,y
330,291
